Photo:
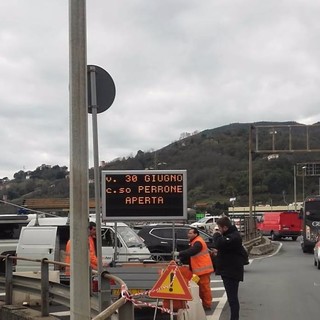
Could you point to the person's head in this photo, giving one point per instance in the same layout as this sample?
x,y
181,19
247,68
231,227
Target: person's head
x,y
224,224
92,229
192,233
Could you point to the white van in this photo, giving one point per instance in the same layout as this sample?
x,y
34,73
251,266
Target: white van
x,y
10,228
48,240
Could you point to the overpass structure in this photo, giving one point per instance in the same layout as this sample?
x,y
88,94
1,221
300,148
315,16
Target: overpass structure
x,y
261,209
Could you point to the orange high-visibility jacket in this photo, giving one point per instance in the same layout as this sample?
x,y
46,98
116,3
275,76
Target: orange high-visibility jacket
x,y
201,262
93,256
92,253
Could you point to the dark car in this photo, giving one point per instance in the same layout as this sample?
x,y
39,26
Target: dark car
x,y
158,239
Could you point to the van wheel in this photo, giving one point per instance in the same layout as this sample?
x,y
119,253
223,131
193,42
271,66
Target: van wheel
x,y
315,262
318,265
294,238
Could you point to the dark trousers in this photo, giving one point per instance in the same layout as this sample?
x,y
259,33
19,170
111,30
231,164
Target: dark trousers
x,y
232,286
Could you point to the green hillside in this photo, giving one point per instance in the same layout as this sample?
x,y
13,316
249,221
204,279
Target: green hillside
x,y
216,161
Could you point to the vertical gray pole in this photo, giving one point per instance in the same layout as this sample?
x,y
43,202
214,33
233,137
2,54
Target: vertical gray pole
x,y
94,107
44,288
9,284
79,191
303,186
250,175
295,187
115,242
155,161
173,241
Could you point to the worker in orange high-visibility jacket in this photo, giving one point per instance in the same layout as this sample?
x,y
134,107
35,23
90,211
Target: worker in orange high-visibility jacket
x,y
200,264
92,249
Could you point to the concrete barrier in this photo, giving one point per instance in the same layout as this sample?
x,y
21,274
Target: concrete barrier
x,y
263,248
195,309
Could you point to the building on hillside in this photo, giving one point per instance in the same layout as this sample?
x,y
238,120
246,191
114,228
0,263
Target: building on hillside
x,y
59,206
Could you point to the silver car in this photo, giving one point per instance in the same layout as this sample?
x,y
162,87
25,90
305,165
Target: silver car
x,y
317,253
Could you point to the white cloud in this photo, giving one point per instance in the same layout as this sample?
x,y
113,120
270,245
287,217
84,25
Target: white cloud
x,y
178,66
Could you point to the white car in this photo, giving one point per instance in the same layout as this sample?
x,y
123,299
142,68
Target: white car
x,y
207,224
317,253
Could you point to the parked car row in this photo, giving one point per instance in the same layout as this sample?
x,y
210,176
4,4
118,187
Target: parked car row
x,y
48,240
159,239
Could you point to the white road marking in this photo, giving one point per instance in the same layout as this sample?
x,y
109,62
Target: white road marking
x,y
218,310
223,300
217,289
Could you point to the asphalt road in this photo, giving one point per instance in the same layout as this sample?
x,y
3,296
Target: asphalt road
x,y
283,286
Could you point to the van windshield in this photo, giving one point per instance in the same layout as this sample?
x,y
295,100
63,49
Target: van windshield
x,y
312,209
130,237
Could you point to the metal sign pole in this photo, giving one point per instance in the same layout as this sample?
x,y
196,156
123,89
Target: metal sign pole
x,y
173,241
79,192
250,181
96,178
115,256
171,309
295,187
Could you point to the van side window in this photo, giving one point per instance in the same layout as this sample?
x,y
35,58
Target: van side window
x,y
10,230
108,238
64,236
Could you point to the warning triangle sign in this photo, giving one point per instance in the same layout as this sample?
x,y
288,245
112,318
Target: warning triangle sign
x,y
171,285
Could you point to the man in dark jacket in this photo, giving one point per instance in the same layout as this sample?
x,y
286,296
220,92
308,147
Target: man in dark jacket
x,y
229,261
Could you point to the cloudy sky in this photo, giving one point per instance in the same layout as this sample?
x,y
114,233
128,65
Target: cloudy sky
x,y
179,66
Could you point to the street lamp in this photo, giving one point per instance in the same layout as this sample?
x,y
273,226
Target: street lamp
x,y
232,200
303,175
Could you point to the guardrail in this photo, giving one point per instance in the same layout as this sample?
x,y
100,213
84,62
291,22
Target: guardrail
x,y
249,231
49,291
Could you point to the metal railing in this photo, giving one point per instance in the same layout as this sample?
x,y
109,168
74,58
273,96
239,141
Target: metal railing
x,y
50,291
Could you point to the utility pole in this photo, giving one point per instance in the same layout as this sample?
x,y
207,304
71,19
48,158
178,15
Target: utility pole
x,y
295,186
250,180
79,163
303,175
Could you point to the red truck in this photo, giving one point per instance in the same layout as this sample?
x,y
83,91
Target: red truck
x,y
279,225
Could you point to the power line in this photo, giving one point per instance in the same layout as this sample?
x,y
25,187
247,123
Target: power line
x,y
31,210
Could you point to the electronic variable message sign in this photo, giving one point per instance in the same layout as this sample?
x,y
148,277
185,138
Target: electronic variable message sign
x,y
144,195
